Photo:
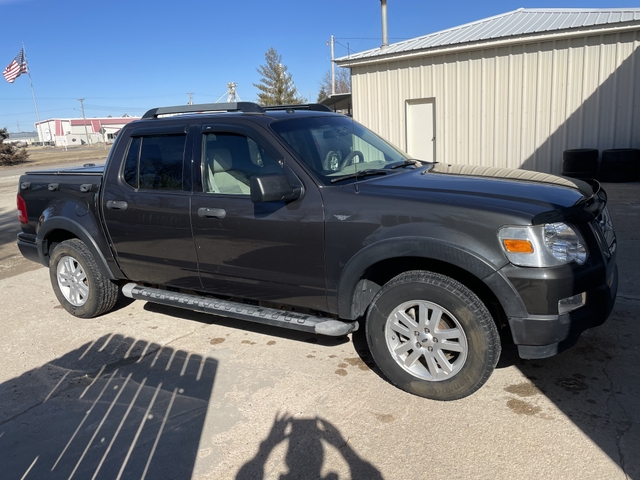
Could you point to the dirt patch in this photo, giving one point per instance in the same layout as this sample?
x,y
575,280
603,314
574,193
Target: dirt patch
x,y
524,389
572,385
47,155
357,362
384,418
522,408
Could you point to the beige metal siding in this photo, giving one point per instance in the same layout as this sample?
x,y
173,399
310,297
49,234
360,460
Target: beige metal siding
x,y
514,106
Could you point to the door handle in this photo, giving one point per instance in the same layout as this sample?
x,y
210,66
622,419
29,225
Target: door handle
x,y
114,205
218,213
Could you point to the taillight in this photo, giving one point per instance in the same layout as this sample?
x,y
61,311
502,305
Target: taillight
x,y
22,210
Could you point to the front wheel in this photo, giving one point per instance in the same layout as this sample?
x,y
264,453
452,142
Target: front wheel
x,y
77,281
432,336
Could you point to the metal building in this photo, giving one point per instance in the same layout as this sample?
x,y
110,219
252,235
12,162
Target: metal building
x,y
63,132
514,90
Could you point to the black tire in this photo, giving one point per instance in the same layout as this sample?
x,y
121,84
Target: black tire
x,y
477,348
620,165
580,160
77,281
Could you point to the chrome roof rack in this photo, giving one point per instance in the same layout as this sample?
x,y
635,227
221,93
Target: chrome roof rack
x,y
246,107
318,107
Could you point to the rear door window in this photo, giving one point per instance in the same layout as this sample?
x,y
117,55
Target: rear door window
x,y
155,162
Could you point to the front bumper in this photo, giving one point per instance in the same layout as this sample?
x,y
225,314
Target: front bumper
x,y
542,336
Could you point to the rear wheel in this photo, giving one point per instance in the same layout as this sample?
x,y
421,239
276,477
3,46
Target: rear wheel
x,y
431,336
77,281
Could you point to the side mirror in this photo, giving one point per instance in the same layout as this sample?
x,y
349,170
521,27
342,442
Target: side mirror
x,y
273,188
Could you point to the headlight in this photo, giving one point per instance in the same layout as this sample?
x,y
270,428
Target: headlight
x,y
545,245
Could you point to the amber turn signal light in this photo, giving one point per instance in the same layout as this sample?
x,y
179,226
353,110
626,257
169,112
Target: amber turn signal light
x,y
518,246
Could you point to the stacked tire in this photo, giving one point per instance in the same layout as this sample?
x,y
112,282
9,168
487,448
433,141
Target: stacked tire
x,y
620,165
580,163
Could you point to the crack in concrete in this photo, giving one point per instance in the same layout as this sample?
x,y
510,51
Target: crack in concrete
x,y
627,424
627,297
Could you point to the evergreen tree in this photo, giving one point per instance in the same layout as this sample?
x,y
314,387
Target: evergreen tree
x,y
9,153
276,85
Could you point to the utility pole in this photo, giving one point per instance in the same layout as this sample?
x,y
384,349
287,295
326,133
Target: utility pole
x,y
18,122
333,67
84,121
190,101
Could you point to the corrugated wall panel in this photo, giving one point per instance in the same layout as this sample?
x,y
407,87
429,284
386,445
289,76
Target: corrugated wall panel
x,y
514,121
499,133
488,118
529,92
607,97
635,74
559,92
624,91
575,69
462,118
516,106
475,108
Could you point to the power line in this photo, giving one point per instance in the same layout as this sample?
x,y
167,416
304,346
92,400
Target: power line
x,y
372,38
31,113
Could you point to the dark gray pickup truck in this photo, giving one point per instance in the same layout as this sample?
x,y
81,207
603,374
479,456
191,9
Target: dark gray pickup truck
x,y
302,218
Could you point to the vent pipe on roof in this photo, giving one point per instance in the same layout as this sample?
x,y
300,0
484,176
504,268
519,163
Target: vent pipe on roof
x,y
385,38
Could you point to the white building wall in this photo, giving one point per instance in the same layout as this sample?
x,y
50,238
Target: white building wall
x,y
515,106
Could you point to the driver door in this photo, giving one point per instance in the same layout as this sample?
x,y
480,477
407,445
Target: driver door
x,y
271,251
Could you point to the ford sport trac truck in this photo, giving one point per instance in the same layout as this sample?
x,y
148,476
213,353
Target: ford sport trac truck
x,y
299,217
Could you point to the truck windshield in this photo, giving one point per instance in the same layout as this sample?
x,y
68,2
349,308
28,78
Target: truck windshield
x,y
335,146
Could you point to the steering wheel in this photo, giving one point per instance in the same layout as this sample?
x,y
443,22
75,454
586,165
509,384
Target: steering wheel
x,y
348,160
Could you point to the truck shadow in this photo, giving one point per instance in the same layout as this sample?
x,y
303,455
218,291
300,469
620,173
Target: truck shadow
x,y
271,331
118,407
9,226
596,384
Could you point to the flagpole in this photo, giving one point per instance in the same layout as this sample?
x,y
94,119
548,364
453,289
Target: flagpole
x,y
33,94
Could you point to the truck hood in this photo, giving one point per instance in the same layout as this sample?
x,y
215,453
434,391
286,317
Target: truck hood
x,y
546,197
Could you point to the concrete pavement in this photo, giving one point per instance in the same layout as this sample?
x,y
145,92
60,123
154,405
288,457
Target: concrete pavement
x,y
154,392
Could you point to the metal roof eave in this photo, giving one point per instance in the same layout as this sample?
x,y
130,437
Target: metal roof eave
x,y
482,44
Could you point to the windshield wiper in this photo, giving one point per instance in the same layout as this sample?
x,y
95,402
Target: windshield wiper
x,y
406,163
363,173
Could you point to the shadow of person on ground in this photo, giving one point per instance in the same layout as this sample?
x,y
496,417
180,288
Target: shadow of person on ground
x,y
305,457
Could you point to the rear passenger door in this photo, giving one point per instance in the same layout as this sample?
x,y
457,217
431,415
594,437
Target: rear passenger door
x,y
271,251
146,208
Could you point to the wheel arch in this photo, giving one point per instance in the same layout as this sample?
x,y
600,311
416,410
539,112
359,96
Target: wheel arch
x,y
58,229
374,266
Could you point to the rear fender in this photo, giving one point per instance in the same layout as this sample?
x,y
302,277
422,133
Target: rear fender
x,y
85,228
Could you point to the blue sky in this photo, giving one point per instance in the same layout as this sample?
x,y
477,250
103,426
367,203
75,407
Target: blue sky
x,y
129,56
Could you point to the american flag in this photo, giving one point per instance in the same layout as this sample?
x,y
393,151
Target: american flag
x,y
17,67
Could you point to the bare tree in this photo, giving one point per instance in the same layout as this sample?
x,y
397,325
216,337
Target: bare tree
x,y
276,85
343,83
